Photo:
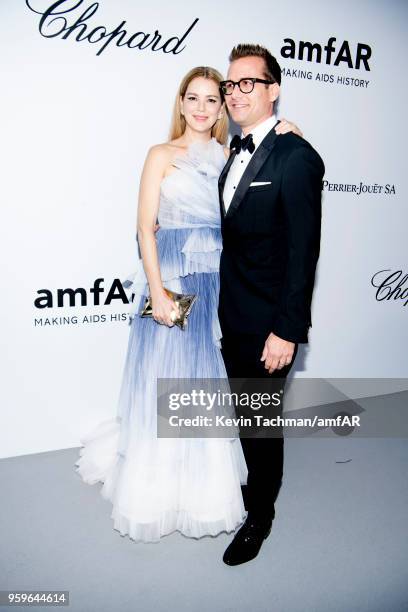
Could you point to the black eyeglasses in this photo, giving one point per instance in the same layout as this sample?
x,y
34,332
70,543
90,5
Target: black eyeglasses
x,y
245,85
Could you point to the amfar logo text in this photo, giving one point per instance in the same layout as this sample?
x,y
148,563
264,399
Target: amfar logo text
x,y
330,53
46,299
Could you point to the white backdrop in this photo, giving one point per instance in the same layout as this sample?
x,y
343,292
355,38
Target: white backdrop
x,y
76,127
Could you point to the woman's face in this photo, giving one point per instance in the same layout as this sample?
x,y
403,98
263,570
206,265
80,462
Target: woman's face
x,y
202,104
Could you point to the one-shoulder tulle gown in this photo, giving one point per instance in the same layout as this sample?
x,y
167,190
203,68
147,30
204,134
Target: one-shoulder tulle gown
x,y
161,485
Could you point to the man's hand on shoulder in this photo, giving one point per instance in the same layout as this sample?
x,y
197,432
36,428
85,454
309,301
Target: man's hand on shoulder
x,y
277,353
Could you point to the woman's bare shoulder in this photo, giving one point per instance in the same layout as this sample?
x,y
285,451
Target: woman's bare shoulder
x,y
161,156
166,150
226,152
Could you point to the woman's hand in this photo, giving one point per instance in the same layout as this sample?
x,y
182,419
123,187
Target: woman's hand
x,y
164,309
287,126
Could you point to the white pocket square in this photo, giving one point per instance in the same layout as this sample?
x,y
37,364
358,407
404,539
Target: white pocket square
x,y
256,184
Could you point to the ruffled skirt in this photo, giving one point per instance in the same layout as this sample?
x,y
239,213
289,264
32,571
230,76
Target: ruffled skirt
x,y
161,485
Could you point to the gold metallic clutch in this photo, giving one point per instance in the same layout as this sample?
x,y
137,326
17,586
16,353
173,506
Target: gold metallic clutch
x,y
184,303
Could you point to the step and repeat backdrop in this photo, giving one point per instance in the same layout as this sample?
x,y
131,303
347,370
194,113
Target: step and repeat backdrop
x,y
87,87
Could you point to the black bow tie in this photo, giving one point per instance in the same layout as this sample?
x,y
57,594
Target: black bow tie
x,y
246,143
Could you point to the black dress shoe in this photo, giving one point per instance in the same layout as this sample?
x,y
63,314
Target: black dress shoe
x,y
247,541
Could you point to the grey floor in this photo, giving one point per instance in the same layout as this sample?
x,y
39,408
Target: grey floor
x,y
338,543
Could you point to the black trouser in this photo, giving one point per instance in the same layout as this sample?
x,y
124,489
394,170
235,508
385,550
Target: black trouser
x,y
263,455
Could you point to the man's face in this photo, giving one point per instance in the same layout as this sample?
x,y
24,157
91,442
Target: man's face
x,y
248,110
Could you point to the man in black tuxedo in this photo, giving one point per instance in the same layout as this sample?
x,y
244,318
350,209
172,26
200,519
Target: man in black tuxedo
x,y
270,198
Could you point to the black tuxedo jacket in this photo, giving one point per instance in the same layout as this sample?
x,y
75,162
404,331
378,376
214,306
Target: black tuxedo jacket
x,y
271,240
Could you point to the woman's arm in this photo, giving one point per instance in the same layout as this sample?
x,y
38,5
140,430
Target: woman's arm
x,y
149,198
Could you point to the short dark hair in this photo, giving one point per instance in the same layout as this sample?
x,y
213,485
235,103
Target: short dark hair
x,y
272,70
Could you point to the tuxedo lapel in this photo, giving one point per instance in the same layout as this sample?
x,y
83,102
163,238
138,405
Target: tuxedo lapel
x,y
257,161
222,179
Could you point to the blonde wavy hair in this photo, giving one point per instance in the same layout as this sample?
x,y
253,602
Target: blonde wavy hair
x,y
178,122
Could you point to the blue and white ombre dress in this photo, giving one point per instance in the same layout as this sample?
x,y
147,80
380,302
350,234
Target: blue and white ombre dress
x,y
161,485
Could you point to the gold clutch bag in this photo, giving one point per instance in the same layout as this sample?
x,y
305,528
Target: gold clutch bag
x,y
184,303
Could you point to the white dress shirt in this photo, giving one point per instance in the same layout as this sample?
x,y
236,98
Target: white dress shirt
x,y
243,158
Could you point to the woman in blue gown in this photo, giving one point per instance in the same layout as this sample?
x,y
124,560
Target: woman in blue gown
x,y
161,485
